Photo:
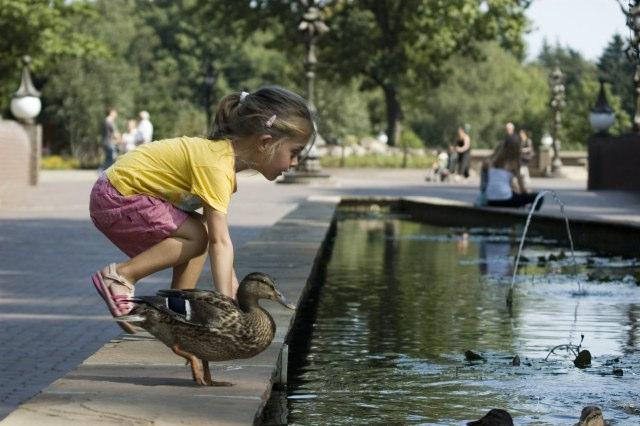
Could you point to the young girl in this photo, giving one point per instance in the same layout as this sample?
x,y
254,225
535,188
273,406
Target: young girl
x,y
504,185
145,203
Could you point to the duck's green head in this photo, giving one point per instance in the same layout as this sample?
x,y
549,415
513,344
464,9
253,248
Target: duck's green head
x,y
259,285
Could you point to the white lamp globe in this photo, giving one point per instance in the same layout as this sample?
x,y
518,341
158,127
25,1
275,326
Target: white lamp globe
x,y
26,107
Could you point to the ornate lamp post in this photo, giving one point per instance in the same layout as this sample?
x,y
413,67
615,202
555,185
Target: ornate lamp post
x,y
557,104
633,53
209,81
311,27
25,106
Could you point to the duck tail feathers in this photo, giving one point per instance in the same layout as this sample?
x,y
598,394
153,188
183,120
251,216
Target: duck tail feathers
x,y
131,318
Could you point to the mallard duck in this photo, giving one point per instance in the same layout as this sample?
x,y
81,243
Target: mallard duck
x,y
203,325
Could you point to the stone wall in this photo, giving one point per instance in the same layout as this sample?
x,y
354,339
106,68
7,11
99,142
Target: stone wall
x,y
15,157
614,162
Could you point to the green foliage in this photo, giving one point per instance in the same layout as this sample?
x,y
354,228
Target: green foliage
x,y
342,111
78,105
190,120
616,69
409,139
404,46
395,46
485,95
45,31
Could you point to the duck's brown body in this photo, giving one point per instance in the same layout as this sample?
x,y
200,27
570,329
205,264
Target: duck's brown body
x,y
210,326
245,336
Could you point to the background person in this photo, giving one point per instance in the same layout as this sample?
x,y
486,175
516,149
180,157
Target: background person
x,y
526,154
504,186
145,128
110,138
510,137
462,147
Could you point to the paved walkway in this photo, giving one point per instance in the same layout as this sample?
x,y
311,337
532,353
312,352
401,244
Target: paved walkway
x,y
52,320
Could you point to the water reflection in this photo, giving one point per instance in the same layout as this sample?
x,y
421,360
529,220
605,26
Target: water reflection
x,y
402,301
495,258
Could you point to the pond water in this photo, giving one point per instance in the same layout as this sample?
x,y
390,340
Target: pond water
x,y
402,301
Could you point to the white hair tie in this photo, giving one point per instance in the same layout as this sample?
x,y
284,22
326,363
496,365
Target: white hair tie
x,y
243,95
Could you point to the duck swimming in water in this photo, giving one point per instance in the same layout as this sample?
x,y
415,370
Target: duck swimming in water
x,y
203,325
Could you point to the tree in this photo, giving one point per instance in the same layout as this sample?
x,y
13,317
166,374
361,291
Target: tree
x,y
44,30
398,46
79,90
616,69
402,46
485,95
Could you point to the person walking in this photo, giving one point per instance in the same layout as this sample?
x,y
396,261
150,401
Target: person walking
x,y
462,147
145,203
526,154
110,138
510,136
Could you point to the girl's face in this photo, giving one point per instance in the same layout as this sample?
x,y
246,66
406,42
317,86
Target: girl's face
x,y
284,157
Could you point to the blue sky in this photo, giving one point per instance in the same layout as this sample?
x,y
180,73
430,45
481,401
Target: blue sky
x,y
584,25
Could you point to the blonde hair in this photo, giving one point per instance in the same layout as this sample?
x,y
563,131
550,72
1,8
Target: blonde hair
x,y
271,110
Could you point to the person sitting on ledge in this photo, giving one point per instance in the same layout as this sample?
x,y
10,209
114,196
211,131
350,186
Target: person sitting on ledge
x,y
504,183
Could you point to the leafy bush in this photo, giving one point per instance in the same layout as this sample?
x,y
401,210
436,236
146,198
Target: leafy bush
x,y
409,139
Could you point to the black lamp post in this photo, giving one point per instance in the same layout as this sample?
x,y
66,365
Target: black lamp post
x,y
557,104
312,27
632,14
209,81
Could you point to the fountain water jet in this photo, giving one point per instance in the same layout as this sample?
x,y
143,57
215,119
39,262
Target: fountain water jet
x,y
580,292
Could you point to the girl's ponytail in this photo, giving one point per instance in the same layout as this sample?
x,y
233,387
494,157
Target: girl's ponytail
x,y
226,114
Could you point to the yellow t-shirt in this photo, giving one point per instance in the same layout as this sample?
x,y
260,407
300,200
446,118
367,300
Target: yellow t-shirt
x,y
184,171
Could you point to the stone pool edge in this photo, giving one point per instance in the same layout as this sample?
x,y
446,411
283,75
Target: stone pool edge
x,y
135,380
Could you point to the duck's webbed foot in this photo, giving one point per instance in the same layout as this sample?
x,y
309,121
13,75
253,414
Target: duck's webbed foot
x,y
207,376
197,371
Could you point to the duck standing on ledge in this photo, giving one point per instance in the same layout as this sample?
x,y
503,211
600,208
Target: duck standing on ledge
x,y
204,325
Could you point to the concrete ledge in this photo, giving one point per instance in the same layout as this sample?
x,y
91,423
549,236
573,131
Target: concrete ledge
x,y
136,380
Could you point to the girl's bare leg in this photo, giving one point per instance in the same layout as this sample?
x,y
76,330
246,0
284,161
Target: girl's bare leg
x,y
186,247
186,275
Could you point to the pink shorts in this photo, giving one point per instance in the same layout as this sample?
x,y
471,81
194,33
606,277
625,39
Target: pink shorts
x,y
134,223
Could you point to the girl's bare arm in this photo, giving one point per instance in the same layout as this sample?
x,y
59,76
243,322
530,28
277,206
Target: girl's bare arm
x,y
220,252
